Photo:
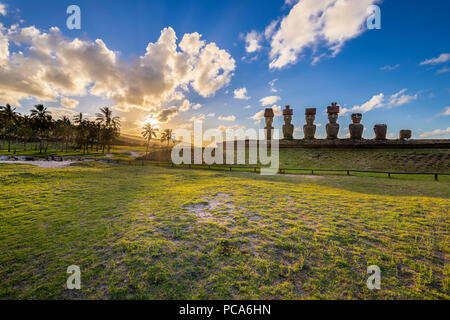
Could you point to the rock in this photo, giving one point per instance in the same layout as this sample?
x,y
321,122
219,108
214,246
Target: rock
x,y
356,128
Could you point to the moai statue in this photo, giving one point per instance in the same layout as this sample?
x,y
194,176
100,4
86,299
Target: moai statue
x,y
288,128
356,128
269,115
405,134
309,129
333,126
380,131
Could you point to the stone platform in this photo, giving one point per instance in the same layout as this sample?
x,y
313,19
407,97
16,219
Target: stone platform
x,y
366,144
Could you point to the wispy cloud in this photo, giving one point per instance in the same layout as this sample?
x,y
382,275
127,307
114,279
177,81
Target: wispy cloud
x,y
378,101
446,112
390,68
435,133
445,57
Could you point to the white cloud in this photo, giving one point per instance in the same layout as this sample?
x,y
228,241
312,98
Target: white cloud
x,y
252,40
390,68
443,70
433,61
399,99
54,66
241,94
2,9
69,103
269,100
270,29
446,112
378,101
272,85
58,113
229,118
311,23
435,133
247,107
196,106
185,106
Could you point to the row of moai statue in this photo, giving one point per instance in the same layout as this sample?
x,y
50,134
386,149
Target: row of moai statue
x,y
309,129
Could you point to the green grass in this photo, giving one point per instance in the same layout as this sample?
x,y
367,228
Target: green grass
x,y
161,233
406,160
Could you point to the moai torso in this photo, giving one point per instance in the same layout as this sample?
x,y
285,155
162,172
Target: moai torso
x,y
356,128
288,128
309,129
269,115
333,126
380,131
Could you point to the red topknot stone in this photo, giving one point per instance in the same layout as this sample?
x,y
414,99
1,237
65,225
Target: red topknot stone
x,y
288,111
269,113
334,108
310,111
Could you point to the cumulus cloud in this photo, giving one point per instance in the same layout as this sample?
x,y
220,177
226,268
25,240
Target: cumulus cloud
x,y
196,106
378,101
445,57
229,118
166,115
252,42
311,23
435,133
269,100
241,94
69,103
50,66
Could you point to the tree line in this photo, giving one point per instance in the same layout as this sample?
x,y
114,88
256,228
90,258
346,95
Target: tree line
x,y
149,132
41,130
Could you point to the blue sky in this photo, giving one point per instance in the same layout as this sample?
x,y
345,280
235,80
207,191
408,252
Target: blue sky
x,y
398,75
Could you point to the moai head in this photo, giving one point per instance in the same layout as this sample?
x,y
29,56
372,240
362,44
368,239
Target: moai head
x,y
356,118
268,115
333,112
405,134
310,116
380,131
287,114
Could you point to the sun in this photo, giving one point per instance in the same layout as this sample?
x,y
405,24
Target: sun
x,y
151,121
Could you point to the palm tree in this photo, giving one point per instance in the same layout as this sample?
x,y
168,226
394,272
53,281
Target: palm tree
x,y
9,116
148,132
43,121
167,135
110,126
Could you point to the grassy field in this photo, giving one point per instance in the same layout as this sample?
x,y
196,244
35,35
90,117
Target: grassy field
x,y
161,233
410,160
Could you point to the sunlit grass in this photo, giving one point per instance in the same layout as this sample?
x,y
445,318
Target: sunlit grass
x,y
132,233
